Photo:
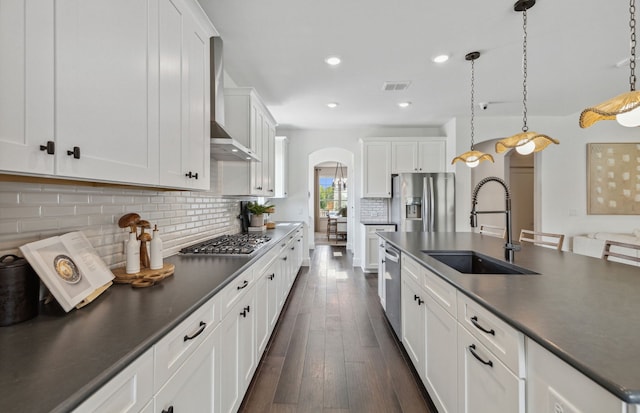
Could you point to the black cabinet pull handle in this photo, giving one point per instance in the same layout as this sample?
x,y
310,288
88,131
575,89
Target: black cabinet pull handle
x,y
244,284
474,321
299,240
283,245
75,152
50,147
271,190
169,410
244,313
293,248
474,354
191,175
247,309
203,325
420,301
415,297
270,276
284,258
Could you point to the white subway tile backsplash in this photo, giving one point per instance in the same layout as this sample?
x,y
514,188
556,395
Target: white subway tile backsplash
x,y
39,198
58,211
74,198
9,198
20,212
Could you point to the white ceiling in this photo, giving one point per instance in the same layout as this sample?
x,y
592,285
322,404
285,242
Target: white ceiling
x,y
279,47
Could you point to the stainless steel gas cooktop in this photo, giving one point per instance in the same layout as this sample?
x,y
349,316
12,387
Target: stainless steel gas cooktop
x,y
235,244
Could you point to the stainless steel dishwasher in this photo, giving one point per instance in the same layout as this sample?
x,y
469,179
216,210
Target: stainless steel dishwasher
x,y
392,287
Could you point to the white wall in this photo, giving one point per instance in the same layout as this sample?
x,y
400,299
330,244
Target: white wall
x,y
561,178
303,143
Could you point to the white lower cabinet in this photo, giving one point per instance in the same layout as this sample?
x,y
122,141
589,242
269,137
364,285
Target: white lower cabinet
x,y
554,386
485,384
266,305
372,243
130,391
381,270
413,323
193,387
238,357
441,357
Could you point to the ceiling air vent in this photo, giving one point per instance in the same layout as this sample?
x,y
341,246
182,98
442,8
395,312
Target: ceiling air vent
x,y
395,86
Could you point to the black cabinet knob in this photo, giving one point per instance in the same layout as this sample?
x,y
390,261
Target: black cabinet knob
x,y
169,410
50,147
75,152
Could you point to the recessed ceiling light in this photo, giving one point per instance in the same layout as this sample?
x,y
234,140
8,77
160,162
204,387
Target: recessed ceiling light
x,y
234,150
441,58
404,104
332,105
332,60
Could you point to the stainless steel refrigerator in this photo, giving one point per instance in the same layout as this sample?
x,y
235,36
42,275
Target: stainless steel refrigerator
x,y
424,202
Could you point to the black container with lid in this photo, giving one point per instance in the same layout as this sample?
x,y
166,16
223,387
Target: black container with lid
x,y
19,290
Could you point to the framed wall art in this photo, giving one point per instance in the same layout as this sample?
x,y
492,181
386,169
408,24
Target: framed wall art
x,y
613,178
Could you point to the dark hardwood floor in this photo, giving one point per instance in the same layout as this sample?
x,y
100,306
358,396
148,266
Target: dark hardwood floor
x,y
332,350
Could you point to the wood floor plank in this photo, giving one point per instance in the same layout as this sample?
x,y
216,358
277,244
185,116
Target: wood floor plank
x,y
333,350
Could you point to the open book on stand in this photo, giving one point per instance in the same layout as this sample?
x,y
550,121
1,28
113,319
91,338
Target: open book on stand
x,y
70,268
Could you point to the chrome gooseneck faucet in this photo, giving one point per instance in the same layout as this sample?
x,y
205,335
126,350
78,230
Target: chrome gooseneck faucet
x,y
509,247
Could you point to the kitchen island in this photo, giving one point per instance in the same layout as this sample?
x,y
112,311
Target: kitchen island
x,y
54,361
583,310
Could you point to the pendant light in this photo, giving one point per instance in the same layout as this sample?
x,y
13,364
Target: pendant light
x,y
624,108
525,142
340,183
472,158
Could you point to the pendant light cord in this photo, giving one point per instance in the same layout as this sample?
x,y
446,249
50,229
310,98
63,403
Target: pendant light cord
x,y
632,60
472,102
525,128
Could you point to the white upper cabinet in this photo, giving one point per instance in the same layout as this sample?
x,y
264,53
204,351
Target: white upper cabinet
x,y
418,155
248,121
184,96
89,97
26,113
281,163
376,165
105,89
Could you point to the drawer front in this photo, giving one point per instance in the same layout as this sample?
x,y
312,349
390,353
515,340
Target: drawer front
x,y
442,292
410,268
484,383
371,229
504,341
235,290
129,391
182,341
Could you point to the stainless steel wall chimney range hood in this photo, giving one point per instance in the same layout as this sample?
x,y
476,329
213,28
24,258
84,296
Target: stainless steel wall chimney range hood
x,y
223,146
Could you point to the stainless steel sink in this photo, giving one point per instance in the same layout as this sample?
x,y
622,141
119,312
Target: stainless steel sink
x,y
471,262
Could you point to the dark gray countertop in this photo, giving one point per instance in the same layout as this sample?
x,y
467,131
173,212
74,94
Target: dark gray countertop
x,y
584,310
56,360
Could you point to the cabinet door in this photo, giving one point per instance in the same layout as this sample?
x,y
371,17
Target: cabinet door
x,y
192,388
184,98
376,170
485,385
128,392
258,139
266,306
431,156
441,357
413,323
281,166
106,79
26,82
404,157
247,360
229,362
371,251
268,159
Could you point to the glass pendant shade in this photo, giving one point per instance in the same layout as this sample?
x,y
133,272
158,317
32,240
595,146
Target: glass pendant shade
x,y
525,143
624,108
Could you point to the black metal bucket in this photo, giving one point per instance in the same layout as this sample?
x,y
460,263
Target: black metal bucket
x,y
19,290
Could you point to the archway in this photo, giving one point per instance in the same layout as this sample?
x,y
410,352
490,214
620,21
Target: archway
x,y
346,158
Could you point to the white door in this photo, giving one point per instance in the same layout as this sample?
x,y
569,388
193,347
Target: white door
x,y
441,357
26,85
106,115
191,389
485,385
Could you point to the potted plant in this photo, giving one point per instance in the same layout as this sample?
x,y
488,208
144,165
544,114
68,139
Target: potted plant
x,y
257,212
